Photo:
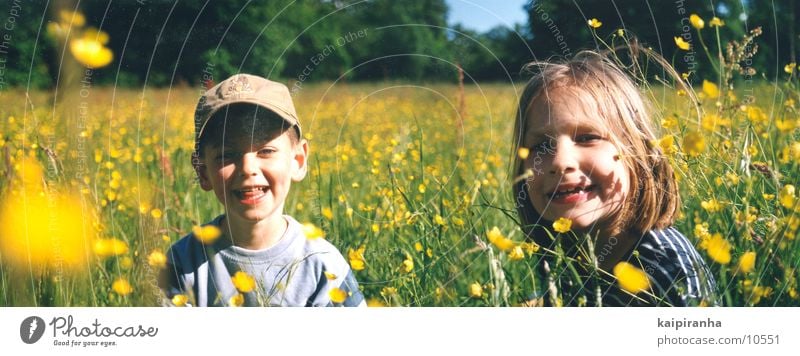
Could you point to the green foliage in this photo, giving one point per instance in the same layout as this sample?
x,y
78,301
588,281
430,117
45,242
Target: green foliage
x,y
23,59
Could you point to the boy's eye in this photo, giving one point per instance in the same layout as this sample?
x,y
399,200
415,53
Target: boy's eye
x,y
266,151
225,156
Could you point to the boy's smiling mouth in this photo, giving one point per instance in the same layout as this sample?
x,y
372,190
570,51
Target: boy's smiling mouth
x,y
251,195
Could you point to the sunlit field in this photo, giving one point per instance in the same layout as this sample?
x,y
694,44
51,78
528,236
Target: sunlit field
x,y
410,182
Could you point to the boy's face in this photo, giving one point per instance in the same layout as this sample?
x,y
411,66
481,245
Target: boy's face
x,y
577,171
251,176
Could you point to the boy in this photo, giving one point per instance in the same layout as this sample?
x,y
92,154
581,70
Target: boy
x,y
248,150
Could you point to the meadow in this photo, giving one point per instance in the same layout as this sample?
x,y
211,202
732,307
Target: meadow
x,y
410,181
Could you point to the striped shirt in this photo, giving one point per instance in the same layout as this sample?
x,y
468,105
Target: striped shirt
x,y
677,273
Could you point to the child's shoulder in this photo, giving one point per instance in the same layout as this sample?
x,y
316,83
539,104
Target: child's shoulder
x,y
670,258
189,247
309,242
669,240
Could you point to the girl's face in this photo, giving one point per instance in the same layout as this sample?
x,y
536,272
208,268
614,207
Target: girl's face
x,y
577,171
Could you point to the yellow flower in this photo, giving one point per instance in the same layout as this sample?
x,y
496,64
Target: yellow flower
x,y
126,262
156,213
29,216
670,122
95,34
786,196
387,292
694,144
243,282
496,238
475,290
330,275
789,68
710,89
716,22
631,278
337,295
523,153
711,121
327,213
667,145
375,303
702,233
157,259
418,247
785,126
206,234
438,220
712,206
594,23
760,292
237,300
180,300
752,150
747,262
529,247
122,287
312,232
356,257
732,178
110,247
73,18
682,44
516,253
408,264
697,22
421,188
719,249
755,114
562,225
90,52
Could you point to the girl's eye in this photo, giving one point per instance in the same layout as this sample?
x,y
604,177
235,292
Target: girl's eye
x,y
587,138
545,147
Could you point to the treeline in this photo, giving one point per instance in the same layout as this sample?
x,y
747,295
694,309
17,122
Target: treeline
x,y
184,42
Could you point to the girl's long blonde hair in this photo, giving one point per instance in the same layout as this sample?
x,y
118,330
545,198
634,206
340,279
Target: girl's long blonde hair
x,y
653,199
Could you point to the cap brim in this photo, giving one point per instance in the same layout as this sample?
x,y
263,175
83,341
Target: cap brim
x,y
278,111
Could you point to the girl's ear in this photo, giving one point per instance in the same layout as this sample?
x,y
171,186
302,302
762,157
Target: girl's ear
x,y
202,176
300,161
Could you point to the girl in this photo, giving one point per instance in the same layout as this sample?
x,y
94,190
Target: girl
x,y
587,135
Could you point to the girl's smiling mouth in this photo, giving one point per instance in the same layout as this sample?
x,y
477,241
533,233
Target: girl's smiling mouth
x,y
571,193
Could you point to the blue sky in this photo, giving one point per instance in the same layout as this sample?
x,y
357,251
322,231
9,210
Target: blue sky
x,y
494,12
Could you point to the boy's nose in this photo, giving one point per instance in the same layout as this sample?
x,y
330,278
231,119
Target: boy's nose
x,y
249,165
564,160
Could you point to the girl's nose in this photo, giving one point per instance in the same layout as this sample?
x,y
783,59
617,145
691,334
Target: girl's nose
x,y
249,165
564,160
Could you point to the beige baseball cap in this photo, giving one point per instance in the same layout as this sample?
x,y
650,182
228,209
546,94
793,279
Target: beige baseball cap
x,y
245,89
